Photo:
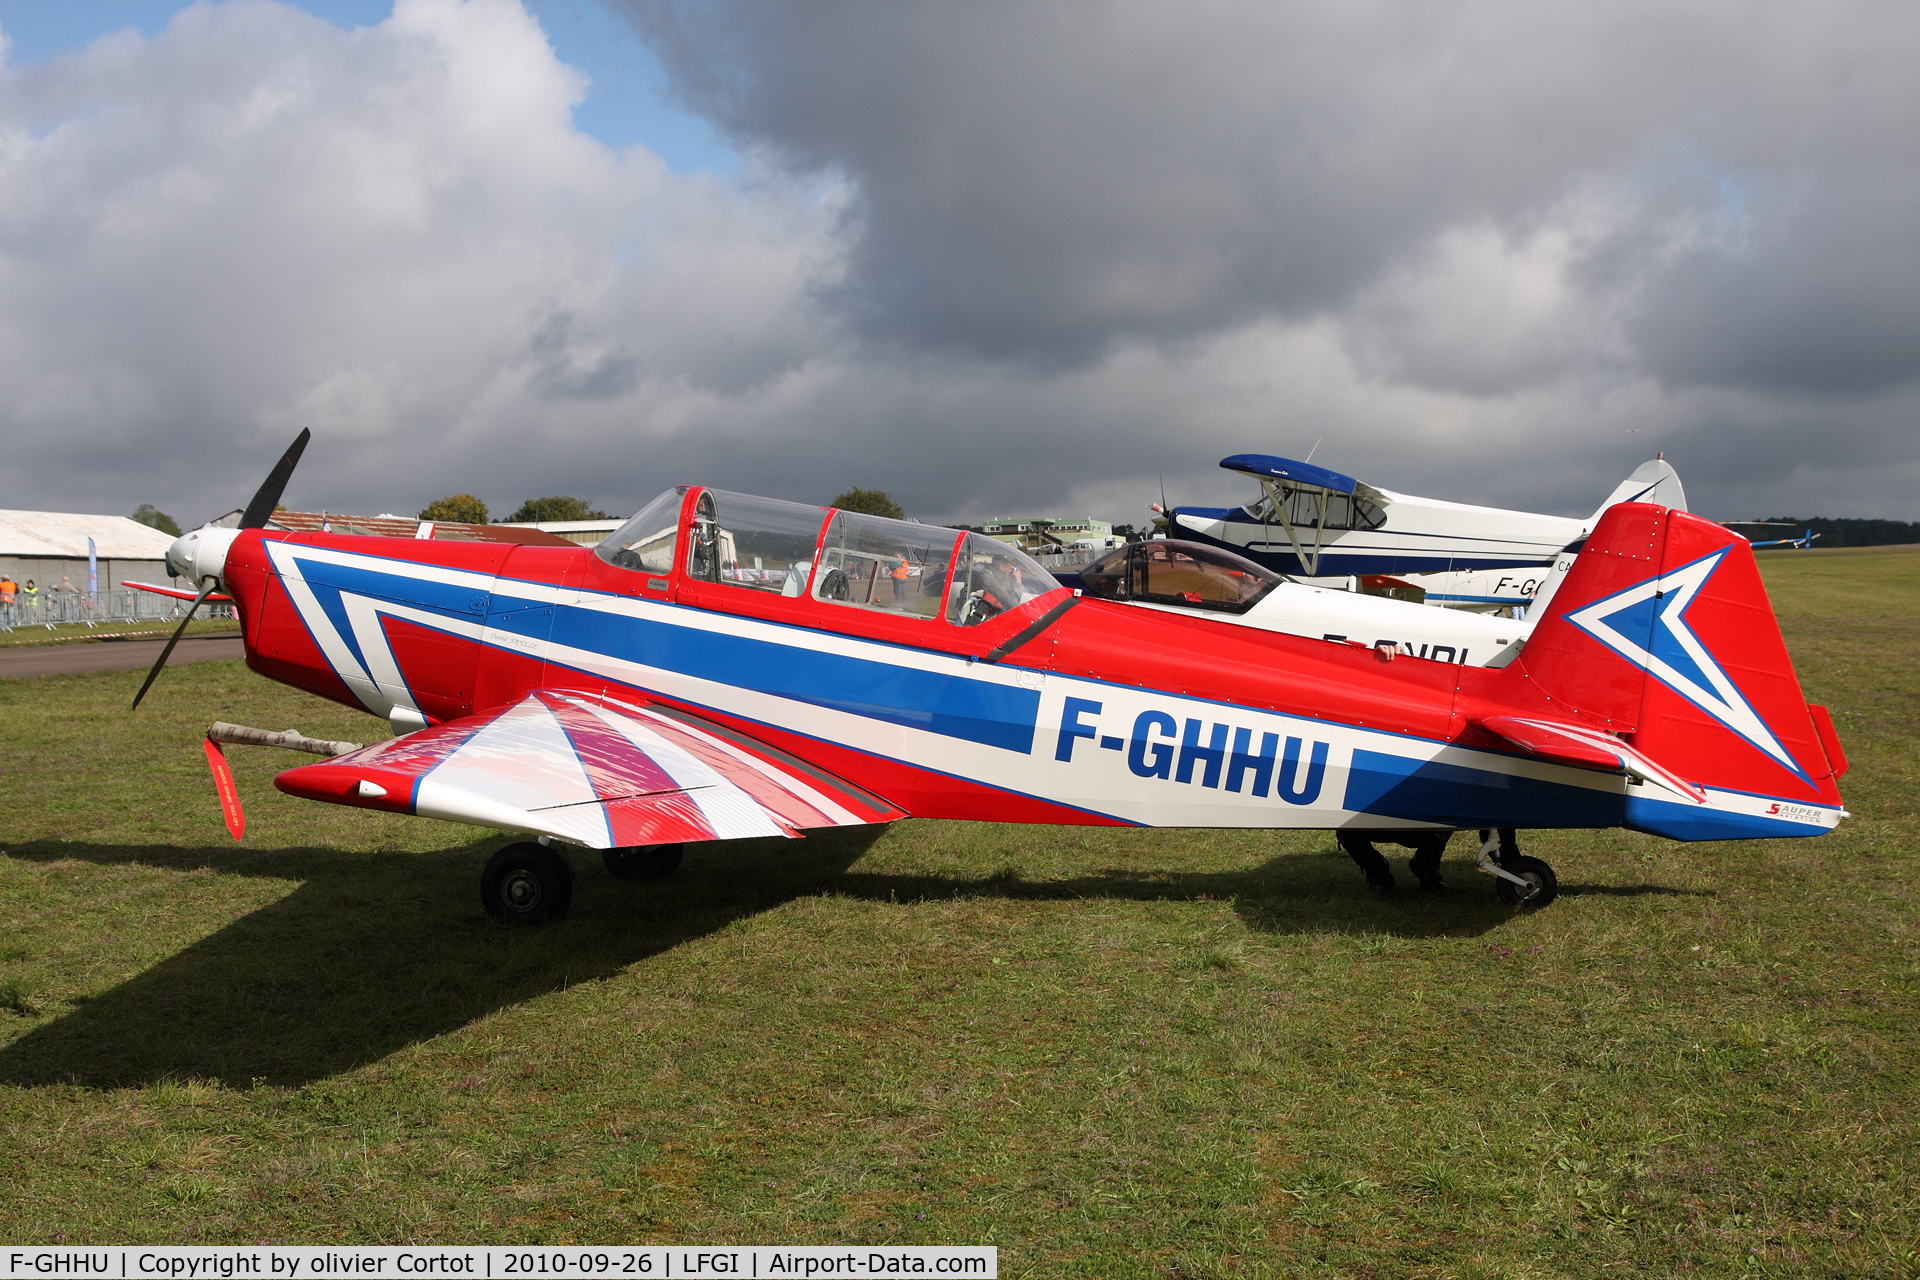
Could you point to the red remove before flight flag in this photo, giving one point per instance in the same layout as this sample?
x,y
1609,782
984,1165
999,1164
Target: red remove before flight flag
x,y
223,784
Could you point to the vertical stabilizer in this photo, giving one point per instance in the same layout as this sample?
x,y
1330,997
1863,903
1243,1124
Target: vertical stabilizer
x,y
1654,481
1662,635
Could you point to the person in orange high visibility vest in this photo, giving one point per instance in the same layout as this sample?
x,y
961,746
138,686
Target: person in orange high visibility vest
x,y
9,591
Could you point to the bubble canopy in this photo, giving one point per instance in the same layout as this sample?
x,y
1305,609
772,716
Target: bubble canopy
x,y
843,558
1169,571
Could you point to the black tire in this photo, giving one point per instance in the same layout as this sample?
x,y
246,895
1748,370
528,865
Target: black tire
x,y
643,861
526,884
1540,878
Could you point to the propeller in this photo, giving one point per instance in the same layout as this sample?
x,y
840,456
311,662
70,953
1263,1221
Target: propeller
x,y
261,508
154,674
254,517
1165,523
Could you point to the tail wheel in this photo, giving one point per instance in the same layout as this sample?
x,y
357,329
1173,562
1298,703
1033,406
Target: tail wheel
x,y
643,861
526,884
1540,887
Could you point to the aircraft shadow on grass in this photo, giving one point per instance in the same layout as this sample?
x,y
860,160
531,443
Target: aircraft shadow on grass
x,y
373,952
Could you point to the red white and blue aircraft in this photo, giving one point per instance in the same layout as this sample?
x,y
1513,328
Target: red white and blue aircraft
x,y
727,666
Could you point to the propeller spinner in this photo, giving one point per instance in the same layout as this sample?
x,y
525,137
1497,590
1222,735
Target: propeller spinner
x,y
202,554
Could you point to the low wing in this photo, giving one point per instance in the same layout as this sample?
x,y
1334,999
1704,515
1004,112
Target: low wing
x,y
592,771
1586,748
175,592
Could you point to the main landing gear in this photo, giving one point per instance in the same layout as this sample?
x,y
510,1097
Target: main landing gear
x,y
643,861
527,883
1523,882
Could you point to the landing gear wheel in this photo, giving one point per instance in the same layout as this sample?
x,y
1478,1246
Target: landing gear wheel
x,y
1540,888
526,884
643,861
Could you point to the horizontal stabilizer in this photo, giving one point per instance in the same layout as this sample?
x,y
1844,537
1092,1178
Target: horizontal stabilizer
x,y
1585,748
592,771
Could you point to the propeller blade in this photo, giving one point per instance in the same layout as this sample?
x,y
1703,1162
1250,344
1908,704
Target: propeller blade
x,y
177,633
260,510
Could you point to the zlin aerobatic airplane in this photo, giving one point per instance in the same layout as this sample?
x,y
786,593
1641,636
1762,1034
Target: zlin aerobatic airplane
x,y
726,666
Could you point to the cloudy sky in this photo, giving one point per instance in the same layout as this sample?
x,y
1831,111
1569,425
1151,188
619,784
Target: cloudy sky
x,y
990,258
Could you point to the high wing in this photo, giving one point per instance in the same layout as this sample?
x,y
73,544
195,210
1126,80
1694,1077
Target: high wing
x,y
1299,496
592,771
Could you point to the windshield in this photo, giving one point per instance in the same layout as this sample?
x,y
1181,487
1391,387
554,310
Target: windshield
x,y
1179,573
990,578
1301,509
645,543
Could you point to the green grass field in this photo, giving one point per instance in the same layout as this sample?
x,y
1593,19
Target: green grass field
x,y
1123,1053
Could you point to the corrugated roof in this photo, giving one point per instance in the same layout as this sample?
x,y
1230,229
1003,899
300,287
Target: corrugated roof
x,y
398,527
64,533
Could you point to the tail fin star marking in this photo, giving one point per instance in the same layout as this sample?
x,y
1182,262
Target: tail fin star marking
x,y
1647,625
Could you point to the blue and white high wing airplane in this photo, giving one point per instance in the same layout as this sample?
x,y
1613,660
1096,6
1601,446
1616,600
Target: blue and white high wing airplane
x,y
1331,529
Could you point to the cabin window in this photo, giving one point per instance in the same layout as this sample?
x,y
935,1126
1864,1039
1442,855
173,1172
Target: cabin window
x,y
645,543
1302,509
762,544
1179,573
991,577
876,563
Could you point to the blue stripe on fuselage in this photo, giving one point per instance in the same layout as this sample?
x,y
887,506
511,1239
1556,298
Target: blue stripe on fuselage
x,y
1460,796
1334,563
414,589
1702,822
952,706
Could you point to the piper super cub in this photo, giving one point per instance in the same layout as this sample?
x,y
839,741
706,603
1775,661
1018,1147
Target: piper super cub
x,y
726,666
1332,529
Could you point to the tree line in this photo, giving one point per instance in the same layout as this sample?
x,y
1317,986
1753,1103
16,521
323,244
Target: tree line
x,y
1846,532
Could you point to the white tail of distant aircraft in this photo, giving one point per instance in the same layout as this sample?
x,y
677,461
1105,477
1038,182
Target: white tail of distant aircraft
x,y
1325,527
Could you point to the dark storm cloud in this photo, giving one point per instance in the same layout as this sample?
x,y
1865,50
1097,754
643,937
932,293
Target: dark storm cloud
x,y
1044,179
1823,299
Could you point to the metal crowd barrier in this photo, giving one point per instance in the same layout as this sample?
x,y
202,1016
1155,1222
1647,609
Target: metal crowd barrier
x,y
121,606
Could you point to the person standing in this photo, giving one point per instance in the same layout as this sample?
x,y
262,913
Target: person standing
x,y
9,591
30,596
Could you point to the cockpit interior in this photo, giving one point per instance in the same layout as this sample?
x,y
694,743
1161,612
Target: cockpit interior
x,y
1187,574
845,558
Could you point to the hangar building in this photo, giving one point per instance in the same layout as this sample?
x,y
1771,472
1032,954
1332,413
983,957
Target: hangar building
x,y
50,545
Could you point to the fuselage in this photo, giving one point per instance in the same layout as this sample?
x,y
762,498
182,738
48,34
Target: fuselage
x,y
1322,612
1111,713
1417,535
